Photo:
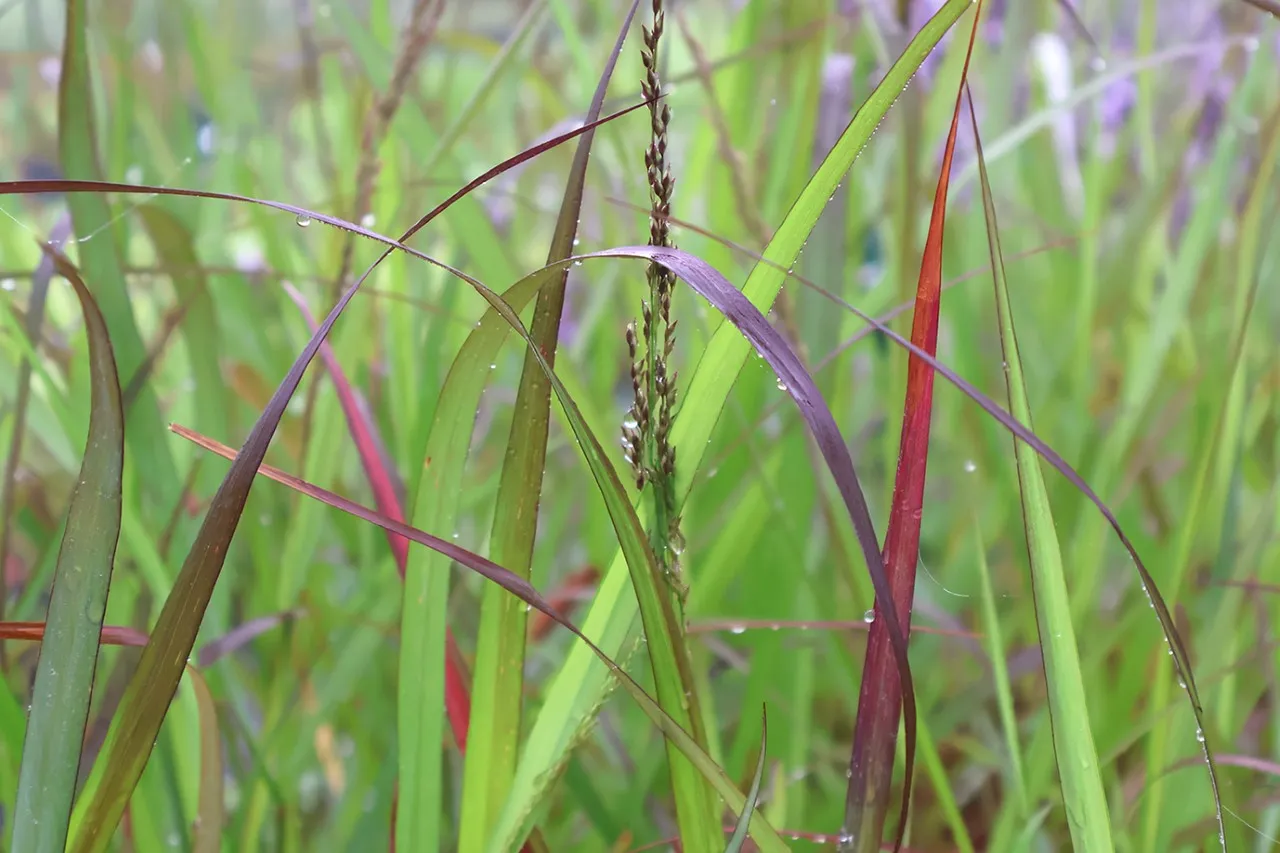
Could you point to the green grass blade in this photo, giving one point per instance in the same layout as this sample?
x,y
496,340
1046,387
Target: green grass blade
x,y
69,652
1083,794
579,685
740,829
100,257
210,812
498,681
1000,671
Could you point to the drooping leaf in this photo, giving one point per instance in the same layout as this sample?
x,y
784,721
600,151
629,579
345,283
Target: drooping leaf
x,y
78,603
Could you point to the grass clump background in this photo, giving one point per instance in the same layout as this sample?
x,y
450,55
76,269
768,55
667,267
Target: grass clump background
x,y
546,324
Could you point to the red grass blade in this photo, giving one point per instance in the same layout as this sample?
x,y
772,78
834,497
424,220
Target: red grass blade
x,y
876,730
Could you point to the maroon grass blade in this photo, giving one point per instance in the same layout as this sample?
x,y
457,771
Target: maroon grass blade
x,y
241,635
875,733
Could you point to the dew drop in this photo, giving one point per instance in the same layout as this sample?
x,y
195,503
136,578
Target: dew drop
x,y
869,616
1098,64
493,365
368,220
782,386
970,466
303,220
1200,734
738,629
576,241
455,534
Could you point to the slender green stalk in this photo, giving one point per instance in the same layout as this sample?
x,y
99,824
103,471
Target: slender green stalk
x,y
1084,797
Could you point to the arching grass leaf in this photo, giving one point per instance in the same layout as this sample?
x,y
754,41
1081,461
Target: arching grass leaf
x,y
78,603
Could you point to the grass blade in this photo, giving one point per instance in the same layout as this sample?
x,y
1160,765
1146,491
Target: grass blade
x,y
100,256
210,809
740,829
500,645
1000,673
579,685
69,653
875,733
1082,791
765,836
